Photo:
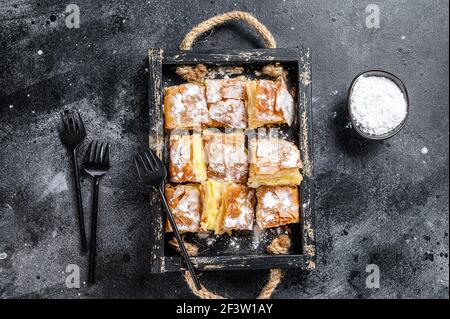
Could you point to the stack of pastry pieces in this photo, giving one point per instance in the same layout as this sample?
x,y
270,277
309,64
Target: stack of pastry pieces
x,y
219,163
275,173
215,184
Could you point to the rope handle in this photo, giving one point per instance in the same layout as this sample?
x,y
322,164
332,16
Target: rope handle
x,y
279,246
206,25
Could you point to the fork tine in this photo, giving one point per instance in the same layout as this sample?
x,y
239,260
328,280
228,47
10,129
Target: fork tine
x,y
151,159
87,155
62,126
145,163
138,168
65,122
79,122
71,122
98,153
105,159
75,121
92,153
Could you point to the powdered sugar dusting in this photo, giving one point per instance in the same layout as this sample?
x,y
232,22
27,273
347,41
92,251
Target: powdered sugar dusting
x,y
240,209
225,101
277,206
270,152
230,113
185,205
226,156
285,102
188,106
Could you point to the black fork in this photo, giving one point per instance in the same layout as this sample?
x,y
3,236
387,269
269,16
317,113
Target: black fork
x,y
152,171
72,134
96,164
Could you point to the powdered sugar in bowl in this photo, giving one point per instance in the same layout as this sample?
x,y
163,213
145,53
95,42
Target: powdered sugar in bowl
x,y
378,104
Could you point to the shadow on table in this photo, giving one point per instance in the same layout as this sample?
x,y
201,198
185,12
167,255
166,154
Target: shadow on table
x,y
347,139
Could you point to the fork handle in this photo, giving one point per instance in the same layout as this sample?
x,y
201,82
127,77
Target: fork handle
x,y
93,243
79,203
179,240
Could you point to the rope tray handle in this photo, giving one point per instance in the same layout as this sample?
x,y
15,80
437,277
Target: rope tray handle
x,y
204,26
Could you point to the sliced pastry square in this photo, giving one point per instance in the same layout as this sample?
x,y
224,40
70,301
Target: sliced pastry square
x,y
185,203
186,158
268,103
226,156
237,209
226,207
225,99
185,106
277,206
274,161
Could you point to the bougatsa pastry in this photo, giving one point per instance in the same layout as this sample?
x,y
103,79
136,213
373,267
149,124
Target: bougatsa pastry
x,y
277,206
274,161
269,102
237,209
220,89
187,159
185,106
226,105
185,203
226,207
226,156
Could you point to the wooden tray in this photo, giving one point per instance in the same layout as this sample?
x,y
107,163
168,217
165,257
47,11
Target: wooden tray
x,y
241,250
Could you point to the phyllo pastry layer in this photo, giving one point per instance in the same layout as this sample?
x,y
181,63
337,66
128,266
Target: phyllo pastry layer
x,y
185,106
226,105
187,159
226,207
226,156
268,102
212,192
274,161
185,203
277,206
237,209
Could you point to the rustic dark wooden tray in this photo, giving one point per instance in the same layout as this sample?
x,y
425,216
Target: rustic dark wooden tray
x,y
240,251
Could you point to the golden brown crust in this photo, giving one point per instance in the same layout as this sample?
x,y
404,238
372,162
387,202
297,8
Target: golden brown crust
x,y
227,207
185,204
277,206
185,106
268,103
237,211
274,161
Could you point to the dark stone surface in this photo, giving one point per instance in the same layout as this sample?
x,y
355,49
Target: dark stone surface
x,y
378,202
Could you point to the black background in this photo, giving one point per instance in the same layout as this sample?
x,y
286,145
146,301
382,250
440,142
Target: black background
x,y
378,202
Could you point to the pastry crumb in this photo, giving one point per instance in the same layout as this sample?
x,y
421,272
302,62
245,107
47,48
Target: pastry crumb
x,y
280,245
274,70
192,74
